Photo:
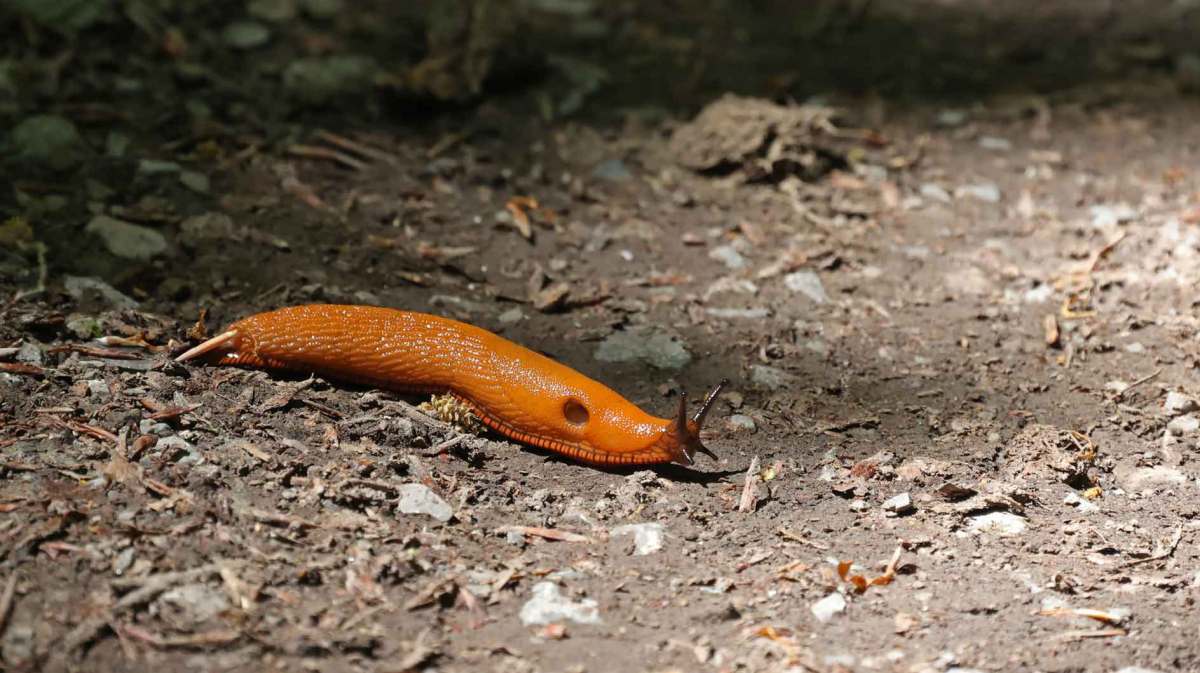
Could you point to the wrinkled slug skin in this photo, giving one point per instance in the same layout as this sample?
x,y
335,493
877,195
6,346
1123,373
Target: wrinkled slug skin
x,y
515,391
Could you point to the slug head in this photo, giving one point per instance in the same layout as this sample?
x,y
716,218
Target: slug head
x,y
682,437
613,431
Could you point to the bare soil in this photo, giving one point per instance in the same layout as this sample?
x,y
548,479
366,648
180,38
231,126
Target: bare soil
x,y
978,305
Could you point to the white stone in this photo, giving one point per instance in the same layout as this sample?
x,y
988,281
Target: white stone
x,y
548,605
1179,403
828,607
418,499
647,537
998,523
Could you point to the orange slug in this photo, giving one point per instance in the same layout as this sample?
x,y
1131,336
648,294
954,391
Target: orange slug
x,y
518,393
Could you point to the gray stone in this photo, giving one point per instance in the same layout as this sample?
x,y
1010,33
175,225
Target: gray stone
x,y
116,144
643,344
99,389
511,316
418,499
77,287
197,602
195,181
738,313
995,144
1144,478
742,422
548,605
771,378
729,256
807,283
275,11
129,241
952,118
612,170
1109,215
62,15
319,80
48,140
122,561
30,354
817,346
935,192
986,192
1080,504
246,35
322,9
158,167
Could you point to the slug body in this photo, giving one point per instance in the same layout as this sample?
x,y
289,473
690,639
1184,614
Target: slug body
x,y
513,390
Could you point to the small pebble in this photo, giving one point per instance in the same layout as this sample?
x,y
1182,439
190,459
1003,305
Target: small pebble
x,y
647,537
742,422
899,504
998,523
1178,403
727,255
1183,425
418,499
548,605
830,606
986,192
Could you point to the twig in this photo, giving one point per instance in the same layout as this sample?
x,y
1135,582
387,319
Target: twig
x,y
443,447
355,146
317,152
1131,386
418,416
6,600
218,637
1103,252
750,490
1164,553
1085,633
544,533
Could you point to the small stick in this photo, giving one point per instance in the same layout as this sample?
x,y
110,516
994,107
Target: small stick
x,y
749,499
6,600
354,146
316,152
1170,549
1137,383
545,533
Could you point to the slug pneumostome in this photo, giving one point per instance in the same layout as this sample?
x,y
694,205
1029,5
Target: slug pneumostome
x,y
518,393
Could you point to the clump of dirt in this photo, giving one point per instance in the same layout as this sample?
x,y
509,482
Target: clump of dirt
x,y
1047,453
762,140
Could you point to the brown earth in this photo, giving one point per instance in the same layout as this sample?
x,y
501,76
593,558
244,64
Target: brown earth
x,y
962,337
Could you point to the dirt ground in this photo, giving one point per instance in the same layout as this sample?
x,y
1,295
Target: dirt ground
x,y
962,335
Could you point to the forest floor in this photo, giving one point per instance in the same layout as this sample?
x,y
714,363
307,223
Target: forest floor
x,y
963,341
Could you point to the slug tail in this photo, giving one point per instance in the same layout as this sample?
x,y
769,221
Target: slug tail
x,y
219,341
683,435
